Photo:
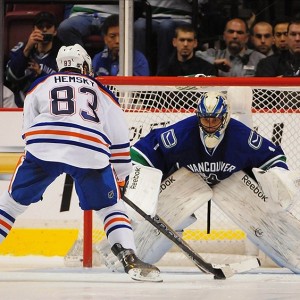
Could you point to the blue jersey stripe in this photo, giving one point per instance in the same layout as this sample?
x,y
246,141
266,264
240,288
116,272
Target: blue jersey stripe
x,y
63,124
7,216
115,214
120,146
120,161
117,227
3,233
82,145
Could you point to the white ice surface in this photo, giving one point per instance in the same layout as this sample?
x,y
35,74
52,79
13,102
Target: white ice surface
x,y
38,278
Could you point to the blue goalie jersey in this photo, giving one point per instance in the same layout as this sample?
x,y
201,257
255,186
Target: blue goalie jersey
x,y
180,145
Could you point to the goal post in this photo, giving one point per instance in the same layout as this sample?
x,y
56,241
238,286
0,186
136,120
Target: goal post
x,y
151,102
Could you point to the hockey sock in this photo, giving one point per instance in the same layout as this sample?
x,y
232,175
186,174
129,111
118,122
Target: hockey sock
x,y
9,210
117,225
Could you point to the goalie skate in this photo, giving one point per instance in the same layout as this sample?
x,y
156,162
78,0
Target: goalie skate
x,y
134,267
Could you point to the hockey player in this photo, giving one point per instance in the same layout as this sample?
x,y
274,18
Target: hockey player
x,y
210,143
73,125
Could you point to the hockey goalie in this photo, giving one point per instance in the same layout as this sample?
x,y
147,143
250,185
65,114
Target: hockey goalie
x,y
214,156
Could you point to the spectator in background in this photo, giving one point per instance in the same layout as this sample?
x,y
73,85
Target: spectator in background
x,y
284,63
8,98
166,16
107,62
280,35
236,60
262,39
183,62
84,20
35,58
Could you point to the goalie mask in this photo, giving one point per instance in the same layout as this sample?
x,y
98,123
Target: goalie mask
x,y
213,112
74,57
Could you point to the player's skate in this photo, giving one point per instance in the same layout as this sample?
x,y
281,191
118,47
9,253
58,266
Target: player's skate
x,y
134,267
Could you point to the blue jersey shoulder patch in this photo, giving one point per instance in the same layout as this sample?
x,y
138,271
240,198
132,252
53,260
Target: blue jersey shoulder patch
x,y
169,139
255,140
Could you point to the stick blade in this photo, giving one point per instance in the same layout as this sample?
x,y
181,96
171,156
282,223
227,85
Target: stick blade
x,y
223,272
245,266
238,267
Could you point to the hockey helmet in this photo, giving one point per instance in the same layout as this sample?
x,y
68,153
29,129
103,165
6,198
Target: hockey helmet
x,y
74,57
213,111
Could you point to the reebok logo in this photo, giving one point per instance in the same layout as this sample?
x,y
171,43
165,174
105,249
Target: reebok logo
x,y
167,183
135,178
255,188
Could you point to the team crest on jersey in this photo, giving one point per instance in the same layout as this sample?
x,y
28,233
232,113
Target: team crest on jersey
x,y
169,139
255,140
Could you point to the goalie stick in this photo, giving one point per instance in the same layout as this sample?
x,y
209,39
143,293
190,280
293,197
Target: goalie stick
x,y
219,271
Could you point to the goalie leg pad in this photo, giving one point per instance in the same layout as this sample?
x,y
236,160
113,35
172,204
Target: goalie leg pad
x,y
181,195
154,245
271,228
151,244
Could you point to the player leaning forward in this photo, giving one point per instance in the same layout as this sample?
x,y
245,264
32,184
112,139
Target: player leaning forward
x,y
224,152
68,129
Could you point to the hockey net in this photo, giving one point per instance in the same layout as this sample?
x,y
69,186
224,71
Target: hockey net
x,y
160,101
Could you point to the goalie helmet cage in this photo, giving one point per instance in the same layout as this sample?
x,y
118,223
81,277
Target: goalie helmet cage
x,y
151,102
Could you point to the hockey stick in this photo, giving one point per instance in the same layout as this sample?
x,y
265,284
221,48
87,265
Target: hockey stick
x,y
221,272
67,194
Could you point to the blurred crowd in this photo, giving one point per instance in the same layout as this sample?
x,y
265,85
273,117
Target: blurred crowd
x,y
216,44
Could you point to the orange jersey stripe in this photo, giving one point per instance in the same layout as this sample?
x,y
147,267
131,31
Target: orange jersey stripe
x,y
20,161
121,154
6,225
116,220
67,133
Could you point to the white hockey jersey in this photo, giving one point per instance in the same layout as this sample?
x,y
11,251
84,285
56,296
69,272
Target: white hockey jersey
x,y
73,119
